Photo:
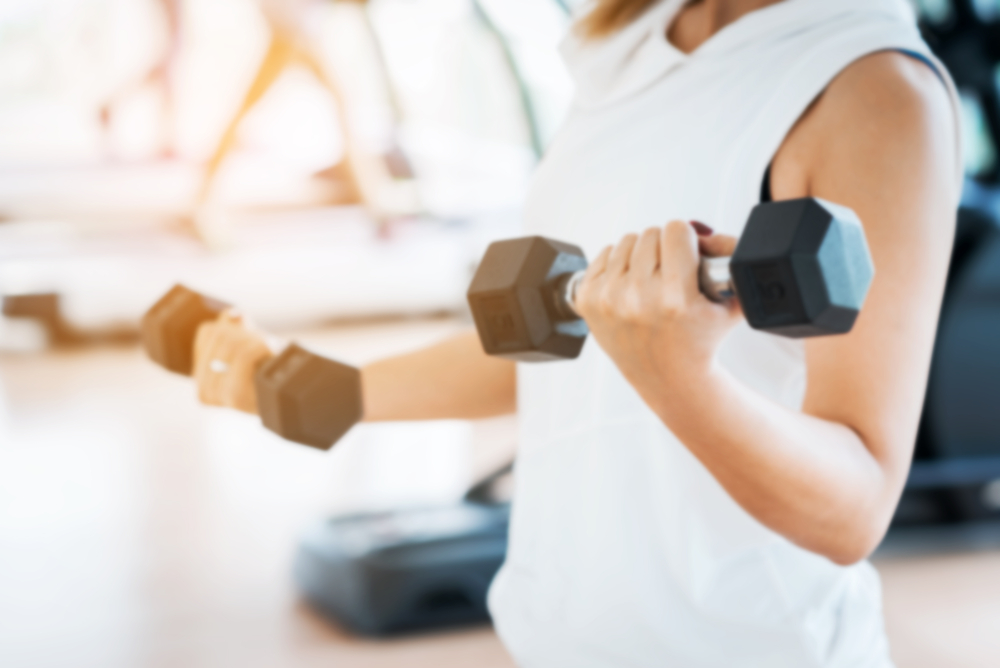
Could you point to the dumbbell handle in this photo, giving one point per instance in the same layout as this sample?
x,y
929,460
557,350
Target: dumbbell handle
x,y
714,279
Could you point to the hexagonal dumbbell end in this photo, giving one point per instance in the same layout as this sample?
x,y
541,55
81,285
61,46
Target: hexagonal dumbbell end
x,y
802,268
514,300
169,327
307,398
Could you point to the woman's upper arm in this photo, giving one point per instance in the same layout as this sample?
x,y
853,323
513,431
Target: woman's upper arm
x,y
881,140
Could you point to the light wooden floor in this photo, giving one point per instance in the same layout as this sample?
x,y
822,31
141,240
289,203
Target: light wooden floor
x,y
138,530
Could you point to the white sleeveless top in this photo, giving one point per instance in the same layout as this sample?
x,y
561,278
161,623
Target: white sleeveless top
x,y
624,550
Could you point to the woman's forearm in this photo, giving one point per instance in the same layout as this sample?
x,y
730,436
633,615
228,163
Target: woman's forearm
x,y
812,480
454,379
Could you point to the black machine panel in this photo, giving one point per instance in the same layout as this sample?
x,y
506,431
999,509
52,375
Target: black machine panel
x,y
963,400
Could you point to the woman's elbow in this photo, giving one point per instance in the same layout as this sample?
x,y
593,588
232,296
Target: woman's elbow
x,y
851,555
855,541
859,525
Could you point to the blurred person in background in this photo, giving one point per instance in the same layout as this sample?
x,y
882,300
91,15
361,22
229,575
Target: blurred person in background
x,y
690,492
378,177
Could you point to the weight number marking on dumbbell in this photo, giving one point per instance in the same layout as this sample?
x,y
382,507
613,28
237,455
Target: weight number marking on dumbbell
x,y
501,322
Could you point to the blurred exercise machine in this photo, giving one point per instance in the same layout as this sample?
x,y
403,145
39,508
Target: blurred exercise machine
x,y
956,468
281,241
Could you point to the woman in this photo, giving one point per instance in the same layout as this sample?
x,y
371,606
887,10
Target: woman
x,y
691,492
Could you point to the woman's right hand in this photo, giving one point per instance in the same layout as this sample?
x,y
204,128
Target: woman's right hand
x,y
227,353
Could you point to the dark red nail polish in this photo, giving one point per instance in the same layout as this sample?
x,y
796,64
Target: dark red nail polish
x,y
702,229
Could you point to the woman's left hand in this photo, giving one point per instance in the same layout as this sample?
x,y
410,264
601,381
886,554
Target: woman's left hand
x,y
643,305
227,352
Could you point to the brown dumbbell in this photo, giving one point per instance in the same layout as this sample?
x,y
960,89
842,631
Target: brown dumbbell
x,y
301,396
170,325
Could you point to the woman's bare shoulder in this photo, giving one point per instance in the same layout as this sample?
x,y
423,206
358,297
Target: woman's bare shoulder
x,y
884,109
887,93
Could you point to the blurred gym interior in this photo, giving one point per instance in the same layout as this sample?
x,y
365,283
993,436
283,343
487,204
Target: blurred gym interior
x,y
337,168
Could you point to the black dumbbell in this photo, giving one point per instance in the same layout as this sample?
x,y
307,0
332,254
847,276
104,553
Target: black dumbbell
x,y
301,396
801,268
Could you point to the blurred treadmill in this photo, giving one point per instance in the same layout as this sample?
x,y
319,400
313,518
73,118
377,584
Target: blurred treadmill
x,y
414,569
955,477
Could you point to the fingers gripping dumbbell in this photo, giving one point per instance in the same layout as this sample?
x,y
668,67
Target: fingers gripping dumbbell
x,y
301,396
801,268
